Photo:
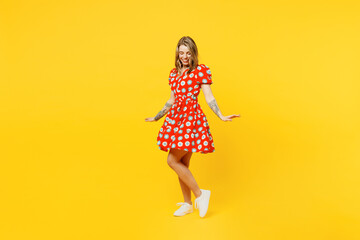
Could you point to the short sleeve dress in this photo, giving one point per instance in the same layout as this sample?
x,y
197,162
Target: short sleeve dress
x,y
185,126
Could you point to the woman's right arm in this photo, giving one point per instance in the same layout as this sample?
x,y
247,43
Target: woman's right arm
x,y
167,107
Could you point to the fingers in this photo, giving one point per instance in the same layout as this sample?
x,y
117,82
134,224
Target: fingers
x,y
228,118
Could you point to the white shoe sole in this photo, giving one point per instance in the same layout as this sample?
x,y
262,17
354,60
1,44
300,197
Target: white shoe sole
x,y
179,215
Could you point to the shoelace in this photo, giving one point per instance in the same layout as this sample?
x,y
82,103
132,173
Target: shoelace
x,y
183,204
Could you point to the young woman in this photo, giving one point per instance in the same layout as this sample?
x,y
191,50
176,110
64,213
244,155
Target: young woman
x,y
186,129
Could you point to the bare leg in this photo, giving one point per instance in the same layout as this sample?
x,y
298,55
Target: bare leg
x,y
174,161
184,188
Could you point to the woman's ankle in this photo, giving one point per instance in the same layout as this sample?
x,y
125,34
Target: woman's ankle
x,y
199,194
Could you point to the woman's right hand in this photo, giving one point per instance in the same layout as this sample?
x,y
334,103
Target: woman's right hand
x,y
151,119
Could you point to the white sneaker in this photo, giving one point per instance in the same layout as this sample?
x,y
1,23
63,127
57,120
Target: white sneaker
x,y
184,209
202,202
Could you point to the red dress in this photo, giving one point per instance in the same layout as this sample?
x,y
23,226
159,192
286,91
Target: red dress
x,y
185,126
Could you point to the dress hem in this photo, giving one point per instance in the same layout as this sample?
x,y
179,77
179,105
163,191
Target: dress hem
x,y
203,152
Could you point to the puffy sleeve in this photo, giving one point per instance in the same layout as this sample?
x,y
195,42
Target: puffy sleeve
x,y
172,76
204,75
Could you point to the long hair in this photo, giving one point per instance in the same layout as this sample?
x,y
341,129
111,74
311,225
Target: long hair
x,y
193,61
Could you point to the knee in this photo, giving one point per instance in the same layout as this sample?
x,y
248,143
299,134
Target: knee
x,y
170,162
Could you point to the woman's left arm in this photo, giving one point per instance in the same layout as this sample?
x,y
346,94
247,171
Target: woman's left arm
x,y
210,100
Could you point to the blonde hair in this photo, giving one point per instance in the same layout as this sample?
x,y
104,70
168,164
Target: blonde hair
x,y
193,61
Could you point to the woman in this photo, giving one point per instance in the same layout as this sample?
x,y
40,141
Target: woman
x,y
185,129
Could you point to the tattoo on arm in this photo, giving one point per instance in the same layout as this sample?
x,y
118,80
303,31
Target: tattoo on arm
x,y
163,111
213,105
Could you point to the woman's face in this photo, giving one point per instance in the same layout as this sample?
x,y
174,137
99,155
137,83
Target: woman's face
x,y
184,55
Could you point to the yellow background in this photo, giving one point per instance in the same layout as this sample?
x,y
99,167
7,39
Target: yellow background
x,y
78,78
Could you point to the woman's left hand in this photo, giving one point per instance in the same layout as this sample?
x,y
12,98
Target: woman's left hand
x,y
228,118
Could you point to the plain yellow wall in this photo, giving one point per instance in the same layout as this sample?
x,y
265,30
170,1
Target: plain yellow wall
x,y
78,78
